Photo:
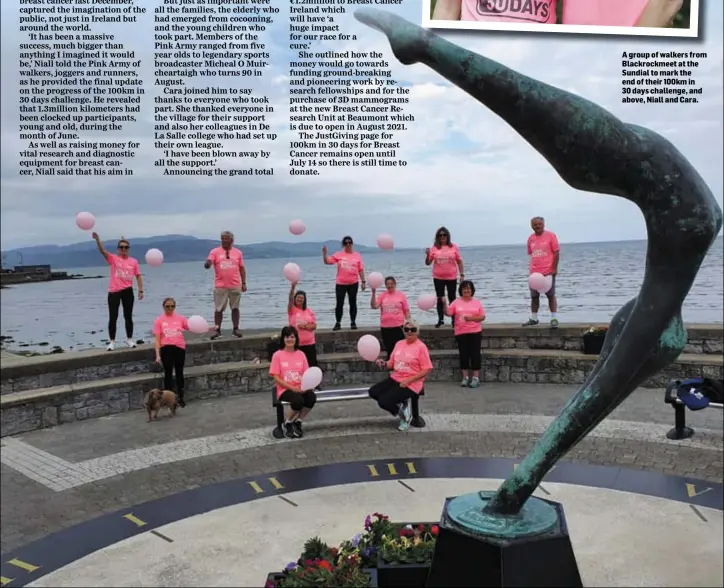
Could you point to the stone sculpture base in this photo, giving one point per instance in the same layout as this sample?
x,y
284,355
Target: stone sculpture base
x,y
529,549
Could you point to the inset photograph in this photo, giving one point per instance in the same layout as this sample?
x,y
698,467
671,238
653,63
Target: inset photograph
x,y
663,18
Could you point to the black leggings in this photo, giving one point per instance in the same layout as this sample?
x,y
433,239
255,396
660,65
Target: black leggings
x,y
390,336
311,352
115,300
299,400
440,287
469,350
389,395
351,291
173,359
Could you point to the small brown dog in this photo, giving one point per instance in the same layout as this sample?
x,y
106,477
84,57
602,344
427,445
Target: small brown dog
x,y
156,399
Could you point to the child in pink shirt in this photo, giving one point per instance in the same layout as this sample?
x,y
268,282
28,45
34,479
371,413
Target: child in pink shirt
x,y
168,330
445,258
469,315
394,310
410,364
350,273
305,321
120,289
287,368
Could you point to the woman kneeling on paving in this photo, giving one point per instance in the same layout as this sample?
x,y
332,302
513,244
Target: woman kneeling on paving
x,y
410,364
287,368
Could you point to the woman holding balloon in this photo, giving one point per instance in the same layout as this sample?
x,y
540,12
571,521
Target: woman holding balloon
x,y
394,310
350,274
287,368
168,330
409,364
469,314
304,320
445,258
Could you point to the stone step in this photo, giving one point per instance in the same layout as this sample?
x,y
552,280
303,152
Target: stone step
x,y
86,366
48,406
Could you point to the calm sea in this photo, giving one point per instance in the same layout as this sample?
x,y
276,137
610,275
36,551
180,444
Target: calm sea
x,y
595,279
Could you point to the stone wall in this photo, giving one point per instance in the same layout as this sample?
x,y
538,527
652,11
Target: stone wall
x,y
28,410
88,366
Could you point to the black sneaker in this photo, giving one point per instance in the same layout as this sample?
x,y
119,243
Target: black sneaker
x,y
353,326
530,323
180,402
336,327
289,430
439,324
298,432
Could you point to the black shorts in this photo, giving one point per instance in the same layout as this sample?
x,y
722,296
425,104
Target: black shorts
x,y
299,400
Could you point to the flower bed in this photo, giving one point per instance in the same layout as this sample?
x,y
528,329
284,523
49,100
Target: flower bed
x,y
385,554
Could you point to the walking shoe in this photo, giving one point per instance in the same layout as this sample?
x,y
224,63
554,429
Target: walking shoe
x,y
403,426
298,432
465,383
530,323
289,430
439,324
336,327
475,382
353,326
180,401
237,333
404,413
217,334
131,343
111,346
554,323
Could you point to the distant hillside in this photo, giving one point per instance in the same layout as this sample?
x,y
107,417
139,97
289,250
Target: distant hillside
x,y
175,248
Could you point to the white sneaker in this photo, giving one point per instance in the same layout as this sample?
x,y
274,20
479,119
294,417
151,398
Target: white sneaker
x,y
130,342
111,346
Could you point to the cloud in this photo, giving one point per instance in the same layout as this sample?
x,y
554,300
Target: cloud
x,y
465,168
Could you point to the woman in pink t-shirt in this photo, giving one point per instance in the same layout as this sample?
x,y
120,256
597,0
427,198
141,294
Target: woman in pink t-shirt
x,y
168,330
120,289
445,258
305,321
350,273
410,364
394,309
469,315
287,368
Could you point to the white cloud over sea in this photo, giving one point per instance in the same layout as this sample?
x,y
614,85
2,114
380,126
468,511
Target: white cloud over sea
x,y
467,169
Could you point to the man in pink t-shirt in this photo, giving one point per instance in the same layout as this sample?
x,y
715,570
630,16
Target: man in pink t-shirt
x,y
230,281
544,253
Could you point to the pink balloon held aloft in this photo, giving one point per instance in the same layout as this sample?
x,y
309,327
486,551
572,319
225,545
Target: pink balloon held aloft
x,y
539,282
426,302
198,324
154,257
296,227
368,347
85,221
375,280
292,272
311,378
385,242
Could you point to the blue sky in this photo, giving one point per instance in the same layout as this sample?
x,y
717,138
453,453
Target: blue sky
x,y
466,168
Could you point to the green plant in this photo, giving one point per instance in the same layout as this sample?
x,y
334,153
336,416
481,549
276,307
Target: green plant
x,y
409,545
597,330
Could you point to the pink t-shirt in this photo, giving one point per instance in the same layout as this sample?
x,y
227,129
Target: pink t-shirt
x,y
297,316
289,366
542,250
462,308
227,270
520,11
122,272
614,13
349,265
409,359
171,329
392,309
445,262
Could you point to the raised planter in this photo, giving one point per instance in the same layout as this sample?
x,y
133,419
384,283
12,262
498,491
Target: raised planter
x,y
402,575
273,579
593,343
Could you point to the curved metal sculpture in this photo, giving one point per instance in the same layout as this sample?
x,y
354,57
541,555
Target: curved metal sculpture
x,y
591,150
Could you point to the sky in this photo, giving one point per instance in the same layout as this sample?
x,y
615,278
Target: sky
x,y
466,168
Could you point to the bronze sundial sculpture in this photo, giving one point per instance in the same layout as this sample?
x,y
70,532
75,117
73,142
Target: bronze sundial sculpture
x,y
593,151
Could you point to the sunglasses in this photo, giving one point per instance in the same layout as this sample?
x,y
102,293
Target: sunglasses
x,y
346,242
124,247
410,329
169,306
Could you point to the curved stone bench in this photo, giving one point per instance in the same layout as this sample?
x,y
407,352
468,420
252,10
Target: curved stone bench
x,y
28,410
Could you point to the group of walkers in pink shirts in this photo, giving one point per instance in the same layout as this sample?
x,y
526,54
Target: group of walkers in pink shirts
x,y
407,357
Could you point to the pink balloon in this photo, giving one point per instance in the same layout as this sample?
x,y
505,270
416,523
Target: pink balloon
x,y
612,13
85,221
296,227
376,279
539,282
154,257
292,272
368,347
385,242
427,302
198,324
311,378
